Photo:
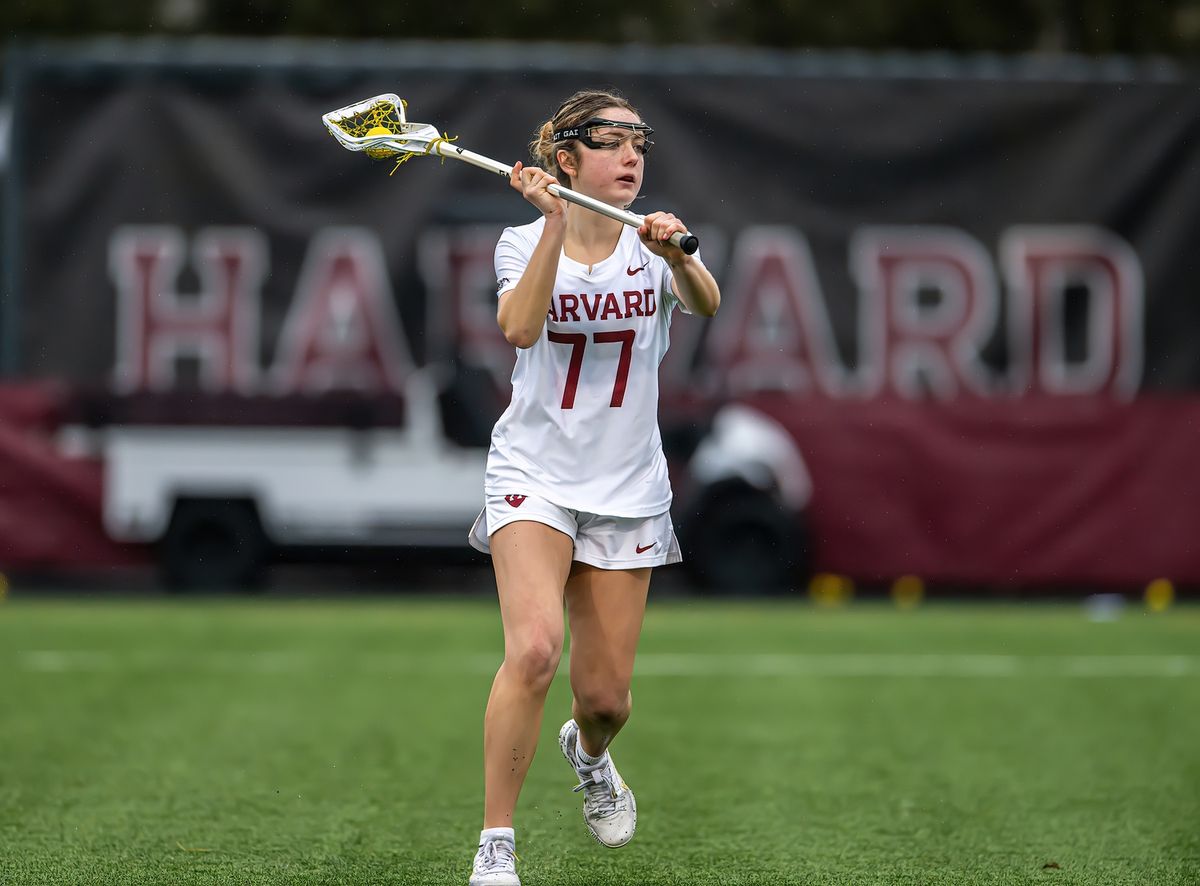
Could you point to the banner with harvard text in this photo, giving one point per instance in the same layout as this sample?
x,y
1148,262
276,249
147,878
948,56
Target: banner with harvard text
x,y
970,298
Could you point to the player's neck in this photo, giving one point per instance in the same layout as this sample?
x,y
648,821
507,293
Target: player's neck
x,y
590,238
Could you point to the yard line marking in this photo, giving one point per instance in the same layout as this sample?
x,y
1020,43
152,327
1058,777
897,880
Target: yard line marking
x,y
650,664
58,661
915,665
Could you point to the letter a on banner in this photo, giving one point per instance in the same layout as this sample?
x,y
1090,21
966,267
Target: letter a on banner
x,y
773,330
342,330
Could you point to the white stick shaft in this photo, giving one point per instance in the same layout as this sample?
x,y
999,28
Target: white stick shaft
x,y
632,219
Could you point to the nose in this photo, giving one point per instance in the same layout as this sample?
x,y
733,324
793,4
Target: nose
x,y
629,153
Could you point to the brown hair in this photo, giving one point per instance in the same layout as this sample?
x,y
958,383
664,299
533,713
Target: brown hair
x,y
579,108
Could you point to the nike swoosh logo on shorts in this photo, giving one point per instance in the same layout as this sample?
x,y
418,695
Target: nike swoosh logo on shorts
x,y
641,549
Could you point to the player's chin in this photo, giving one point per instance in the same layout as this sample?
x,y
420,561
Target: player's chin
x,y
624,190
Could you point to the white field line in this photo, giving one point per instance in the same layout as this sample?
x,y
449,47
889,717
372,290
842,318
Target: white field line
x,y
917,665
678,665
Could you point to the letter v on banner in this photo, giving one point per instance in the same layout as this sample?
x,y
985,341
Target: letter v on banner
x,y
156,325
342,330
773,330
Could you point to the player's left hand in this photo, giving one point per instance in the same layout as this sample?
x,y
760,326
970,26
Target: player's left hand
x,y
656,230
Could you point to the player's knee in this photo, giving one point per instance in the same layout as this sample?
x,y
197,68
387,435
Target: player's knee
x,y
535,660
604,704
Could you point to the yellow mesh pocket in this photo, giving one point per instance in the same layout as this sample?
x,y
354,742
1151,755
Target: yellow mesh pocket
x,y
381,118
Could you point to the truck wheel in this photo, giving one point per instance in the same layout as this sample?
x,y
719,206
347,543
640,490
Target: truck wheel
x,y
213,545
746,543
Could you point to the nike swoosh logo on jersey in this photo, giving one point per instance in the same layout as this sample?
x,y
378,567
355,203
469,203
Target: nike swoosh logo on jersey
x,y
641,549
632,271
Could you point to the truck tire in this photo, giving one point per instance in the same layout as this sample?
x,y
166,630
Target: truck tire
x,y
213,544
746,542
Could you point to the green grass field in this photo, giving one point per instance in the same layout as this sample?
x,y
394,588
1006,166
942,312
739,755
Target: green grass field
x,y
297,742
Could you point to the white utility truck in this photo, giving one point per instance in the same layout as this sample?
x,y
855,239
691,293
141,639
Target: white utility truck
x,y
218,501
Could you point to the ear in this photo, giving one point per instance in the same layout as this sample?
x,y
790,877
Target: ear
x,y
566,162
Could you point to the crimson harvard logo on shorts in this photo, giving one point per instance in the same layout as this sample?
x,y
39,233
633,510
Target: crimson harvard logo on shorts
x,y
516,500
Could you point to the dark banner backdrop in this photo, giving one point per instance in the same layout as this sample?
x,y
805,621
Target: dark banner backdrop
x,y
892,241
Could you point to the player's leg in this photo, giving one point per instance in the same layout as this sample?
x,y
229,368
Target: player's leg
x,y
532,562
605,609
606,603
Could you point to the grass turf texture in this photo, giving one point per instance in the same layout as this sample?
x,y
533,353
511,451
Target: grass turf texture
x,y
339,742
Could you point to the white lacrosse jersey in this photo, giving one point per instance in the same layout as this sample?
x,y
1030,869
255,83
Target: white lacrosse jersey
x,y
582,427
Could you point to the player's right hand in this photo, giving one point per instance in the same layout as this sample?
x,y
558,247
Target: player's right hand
x,y
533,183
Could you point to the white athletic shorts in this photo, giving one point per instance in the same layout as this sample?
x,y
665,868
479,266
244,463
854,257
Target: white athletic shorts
x,y
606,542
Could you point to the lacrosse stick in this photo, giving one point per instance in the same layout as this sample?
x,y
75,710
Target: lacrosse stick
x,y
378,128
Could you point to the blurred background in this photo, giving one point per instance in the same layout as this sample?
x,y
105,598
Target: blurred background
x,y
957,246
936,460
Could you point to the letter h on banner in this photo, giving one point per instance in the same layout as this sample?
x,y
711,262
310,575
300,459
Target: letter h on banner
x,y
156,325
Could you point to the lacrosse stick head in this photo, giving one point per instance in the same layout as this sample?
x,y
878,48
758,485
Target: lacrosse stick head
x,y
377,127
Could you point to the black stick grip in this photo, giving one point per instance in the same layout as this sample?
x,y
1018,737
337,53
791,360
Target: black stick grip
x,y
688,242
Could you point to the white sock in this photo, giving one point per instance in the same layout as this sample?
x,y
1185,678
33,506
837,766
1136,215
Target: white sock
x,y
584,757
505,834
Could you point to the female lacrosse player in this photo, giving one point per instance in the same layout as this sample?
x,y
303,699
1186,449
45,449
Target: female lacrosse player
x,y
577,492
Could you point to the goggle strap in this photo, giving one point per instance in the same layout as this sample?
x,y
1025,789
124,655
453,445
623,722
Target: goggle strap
x,y
580,131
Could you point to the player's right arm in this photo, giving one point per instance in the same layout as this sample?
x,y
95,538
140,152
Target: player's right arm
x,y
522,310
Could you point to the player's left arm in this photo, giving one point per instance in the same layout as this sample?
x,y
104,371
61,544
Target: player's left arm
x,y
691,281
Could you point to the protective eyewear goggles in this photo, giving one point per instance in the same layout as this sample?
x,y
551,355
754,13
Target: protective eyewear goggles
x,y
598,134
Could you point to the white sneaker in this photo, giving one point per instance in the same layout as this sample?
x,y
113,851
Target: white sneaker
x,y
495,864
609,809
